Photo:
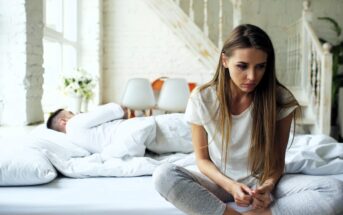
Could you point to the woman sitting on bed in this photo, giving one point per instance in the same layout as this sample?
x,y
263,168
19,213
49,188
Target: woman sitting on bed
x,y
240,128
91,130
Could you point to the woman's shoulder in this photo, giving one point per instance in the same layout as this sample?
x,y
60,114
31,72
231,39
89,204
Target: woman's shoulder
x,y
205,94
283,95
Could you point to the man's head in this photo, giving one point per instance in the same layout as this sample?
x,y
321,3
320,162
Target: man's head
x,y
58,120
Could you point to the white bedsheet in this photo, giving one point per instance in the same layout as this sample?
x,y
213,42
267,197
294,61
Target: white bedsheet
x,y
90,196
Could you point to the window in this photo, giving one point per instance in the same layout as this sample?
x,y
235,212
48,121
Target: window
x,y
60,45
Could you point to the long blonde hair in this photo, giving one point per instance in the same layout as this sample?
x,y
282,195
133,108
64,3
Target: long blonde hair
x,y
264,153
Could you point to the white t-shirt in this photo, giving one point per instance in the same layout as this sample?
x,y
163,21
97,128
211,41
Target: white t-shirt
x,y
201,109
95,129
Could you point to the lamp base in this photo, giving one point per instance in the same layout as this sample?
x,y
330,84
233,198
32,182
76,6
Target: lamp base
x,y
132,113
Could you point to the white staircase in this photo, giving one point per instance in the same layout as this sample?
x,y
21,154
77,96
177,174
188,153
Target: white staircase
x,y
185,28
314,61
306,56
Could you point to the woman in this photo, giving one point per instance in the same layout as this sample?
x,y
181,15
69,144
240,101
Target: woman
x,y
241,122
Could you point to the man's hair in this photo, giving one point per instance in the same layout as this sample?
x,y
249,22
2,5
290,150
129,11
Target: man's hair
x,y
53,119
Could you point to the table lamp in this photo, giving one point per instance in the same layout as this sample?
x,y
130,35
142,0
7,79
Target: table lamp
x,y
174,95
138,95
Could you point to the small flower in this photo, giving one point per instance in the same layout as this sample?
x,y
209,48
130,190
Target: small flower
x,y
80,83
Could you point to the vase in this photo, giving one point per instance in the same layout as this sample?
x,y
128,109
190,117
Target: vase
x,y
74,103
84,106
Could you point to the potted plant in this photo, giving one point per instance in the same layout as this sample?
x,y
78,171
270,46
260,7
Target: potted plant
x,y
337,63
79,86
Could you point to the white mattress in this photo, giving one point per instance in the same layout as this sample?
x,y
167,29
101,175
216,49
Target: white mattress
x,y
96,196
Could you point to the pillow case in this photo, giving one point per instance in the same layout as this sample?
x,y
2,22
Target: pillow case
x,y
22,165
131,138
173,134
56,142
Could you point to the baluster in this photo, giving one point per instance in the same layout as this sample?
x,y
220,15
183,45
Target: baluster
x,y
309,64
313,74
307,14
205,18
294,57
290,57
318,80
220,25
191,11
236,15
298,60
289,68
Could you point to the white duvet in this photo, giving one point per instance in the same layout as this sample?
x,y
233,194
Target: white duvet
x,y
309,154
142,144
171,142
315,155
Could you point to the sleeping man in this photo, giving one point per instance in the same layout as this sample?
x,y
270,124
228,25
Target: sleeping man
x,y
107,126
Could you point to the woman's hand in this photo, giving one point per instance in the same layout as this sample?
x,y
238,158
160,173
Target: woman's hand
x,y
262,196
241,194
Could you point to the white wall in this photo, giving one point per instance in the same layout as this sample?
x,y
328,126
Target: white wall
x,y
21,61
136,43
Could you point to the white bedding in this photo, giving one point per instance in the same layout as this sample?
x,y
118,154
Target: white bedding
x,y
313,154
309,154
90,196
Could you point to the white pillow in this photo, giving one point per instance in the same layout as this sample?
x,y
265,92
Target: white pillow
x,y
56,142
22,165
173,134
131,138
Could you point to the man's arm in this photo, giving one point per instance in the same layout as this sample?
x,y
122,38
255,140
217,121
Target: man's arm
x,y
99,115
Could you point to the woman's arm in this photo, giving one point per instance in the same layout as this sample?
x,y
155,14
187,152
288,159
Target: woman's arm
x,y
240,192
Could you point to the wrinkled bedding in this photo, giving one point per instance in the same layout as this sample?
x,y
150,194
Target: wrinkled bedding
x,y
314,155
308,154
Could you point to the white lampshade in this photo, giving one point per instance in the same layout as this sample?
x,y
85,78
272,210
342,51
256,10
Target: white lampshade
x,y
138,94
174,95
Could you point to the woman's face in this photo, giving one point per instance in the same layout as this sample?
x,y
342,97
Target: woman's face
x,y
247,67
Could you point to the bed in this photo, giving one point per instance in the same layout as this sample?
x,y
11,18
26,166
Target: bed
x,y
89,196
43,173
98,196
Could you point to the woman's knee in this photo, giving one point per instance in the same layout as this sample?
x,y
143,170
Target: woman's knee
x,y
165,177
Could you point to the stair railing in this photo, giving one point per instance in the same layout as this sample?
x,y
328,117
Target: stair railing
x,y
204,14
314,61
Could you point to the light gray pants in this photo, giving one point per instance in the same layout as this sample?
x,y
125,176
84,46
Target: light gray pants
x,y
194,193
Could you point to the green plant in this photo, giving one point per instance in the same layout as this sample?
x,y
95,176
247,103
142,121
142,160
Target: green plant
x,y
79,83
337,61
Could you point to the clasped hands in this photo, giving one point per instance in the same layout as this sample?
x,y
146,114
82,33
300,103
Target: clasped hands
x,y
258,198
